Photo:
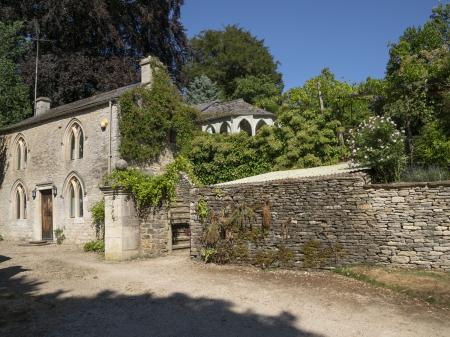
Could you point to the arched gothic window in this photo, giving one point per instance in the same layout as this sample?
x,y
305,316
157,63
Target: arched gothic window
x,y
21,154
20,203
76,142
75,196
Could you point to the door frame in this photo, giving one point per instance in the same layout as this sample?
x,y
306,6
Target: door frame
x,y
38,222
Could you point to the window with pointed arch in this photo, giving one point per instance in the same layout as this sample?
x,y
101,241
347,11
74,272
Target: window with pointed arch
x,y
21,154
75,196
20,203
76,142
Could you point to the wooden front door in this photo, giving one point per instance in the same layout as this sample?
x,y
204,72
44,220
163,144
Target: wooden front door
x,y
47,215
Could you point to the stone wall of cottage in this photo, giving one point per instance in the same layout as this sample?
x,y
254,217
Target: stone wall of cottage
x,y
48,166
402,224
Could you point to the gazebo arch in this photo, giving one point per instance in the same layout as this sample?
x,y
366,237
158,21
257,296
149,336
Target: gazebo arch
x,y
245,126
225,128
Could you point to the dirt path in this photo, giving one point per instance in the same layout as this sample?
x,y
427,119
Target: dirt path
x,y
61,291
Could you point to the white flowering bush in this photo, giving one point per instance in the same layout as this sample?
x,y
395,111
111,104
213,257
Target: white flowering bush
x,y
379,145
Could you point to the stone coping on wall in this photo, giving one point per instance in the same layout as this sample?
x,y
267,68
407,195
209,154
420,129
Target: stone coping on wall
x,y
408,185
339,176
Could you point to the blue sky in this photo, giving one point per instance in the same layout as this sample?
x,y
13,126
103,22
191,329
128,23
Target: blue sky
x,y
349,36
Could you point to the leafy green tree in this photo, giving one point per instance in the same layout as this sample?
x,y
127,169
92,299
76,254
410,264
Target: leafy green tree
x,y
433,146
311,125
227,55
418,76
259,90
95,46
14,96
202,90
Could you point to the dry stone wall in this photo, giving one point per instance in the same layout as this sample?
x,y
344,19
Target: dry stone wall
x,y
406,225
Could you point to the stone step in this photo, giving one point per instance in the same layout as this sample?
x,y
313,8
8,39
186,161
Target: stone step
x,y
178,216
180,209
181,246
182,238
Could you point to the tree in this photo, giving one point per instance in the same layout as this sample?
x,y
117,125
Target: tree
x,y
418,76
14,96
202,90
312,122
96,45
261,91
230,54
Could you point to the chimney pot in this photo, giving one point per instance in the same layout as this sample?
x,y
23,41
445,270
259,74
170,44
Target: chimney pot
x,y
42,105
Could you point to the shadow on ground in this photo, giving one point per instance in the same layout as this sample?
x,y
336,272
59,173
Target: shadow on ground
x,y
24,312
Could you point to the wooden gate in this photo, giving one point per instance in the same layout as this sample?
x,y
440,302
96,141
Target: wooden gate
x,y
47,214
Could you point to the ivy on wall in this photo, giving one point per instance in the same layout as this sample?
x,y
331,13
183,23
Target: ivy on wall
x,y
151,119
150,191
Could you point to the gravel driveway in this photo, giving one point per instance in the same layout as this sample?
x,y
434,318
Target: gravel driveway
x,y
61,291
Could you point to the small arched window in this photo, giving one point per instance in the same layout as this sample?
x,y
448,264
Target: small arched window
x,y
225,128
76,142
245,126
20,203
260,124
21,154
75,195
210,129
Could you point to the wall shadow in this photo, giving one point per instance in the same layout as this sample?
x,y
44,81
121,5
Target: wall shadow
x,y
26,313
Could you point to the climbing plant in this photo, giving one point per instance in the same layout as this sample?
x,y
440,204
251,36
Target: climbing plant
x,y
153,118
98,218
150,191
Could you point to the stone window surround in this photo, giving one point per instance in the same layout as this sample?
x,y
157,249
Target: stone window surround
x,y
74,140
19,201
20,154
73,192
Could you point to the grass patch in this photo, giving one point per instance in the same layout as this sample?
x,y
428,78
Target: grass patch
x,y
430,286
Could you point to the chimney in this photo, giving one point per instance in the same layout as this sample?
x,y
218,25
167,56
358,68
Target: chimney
x,y
146,69
42,105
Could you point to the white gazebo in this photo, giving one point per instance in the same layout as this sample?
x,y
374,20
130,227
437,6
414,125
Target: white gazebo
x,y
233,117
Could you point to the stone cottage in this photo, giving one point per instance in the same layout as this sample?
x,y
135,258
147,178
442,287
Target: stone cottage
x,y
55,160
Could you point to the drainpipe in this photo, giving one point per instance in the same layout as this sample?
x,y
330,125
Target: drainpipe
x,y
110,138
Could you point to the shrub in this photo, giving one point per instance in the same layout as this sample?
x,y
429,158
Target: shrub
x,y
377,144
60,237
218,158
97,246
433,146
208,254
98,219
425,173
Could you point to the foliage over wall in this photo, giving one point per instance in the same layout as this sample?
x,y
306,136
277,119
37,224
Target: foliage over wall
x,y
378,144
150,191
152,119
218,158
